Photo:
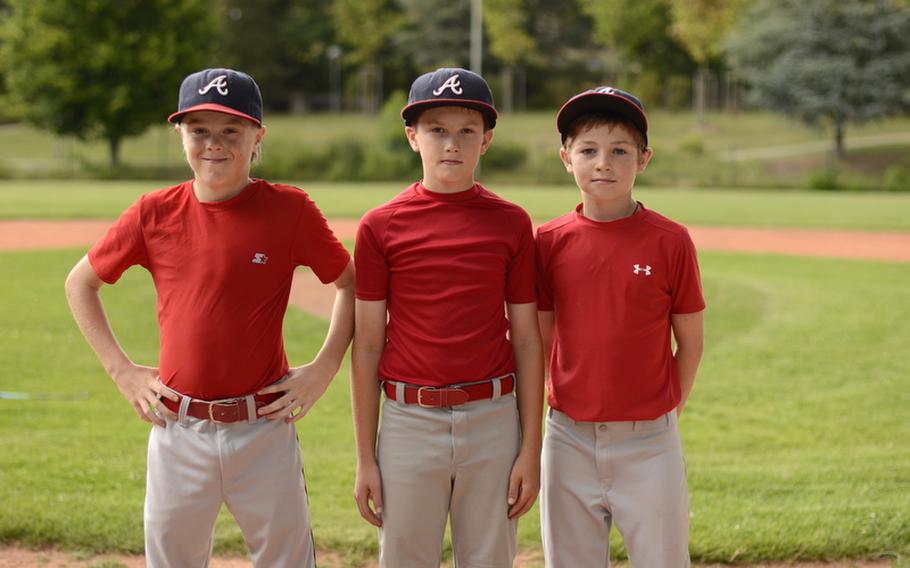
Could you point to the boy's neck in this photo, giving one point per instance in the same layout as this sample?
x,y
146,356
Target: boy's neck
x,y
608,210
211,194
439,186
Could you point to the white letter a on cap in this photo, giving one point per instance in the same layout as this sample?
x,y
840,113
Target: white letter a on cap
x,y
451,83
219,83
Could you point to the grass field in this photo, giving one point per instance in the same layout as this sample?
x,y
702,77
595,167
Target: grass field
x,y
796,436
735,207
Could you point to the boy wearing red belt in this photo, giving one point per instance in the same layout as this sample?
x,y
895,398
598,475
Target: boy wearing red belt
x,y
615,279
221,249
438,269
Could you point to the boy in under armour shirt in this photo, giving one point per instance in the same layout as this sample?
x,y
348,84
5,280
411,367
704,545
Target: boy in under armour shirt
x,y
435,267
221,249
615,279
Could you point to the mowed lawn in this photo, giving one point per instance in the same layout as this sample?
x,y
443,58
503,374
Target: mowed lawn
x,y
796,435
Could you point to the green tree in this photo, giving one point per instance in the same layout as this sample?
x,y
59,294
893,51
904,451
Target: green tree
x,y
366,27
284,44
650,56
507,24
826,59
702,26
434,33
102,69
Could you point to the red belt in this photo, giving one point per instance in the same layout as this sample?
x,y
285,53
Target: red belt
x,y
443,397
231,410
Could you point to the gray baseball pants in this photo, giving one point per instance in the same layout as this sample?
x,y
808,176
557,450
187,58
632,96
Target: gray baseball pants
x,y
598,473
254,467
437,462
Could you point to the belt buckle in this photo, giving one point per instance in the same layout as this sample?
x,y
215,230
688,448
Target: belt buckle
x,y
420,402
211,411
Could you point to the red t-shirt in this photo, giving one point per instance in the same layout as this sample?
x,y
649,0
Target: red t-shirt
x,y
223,276
612,287
446,264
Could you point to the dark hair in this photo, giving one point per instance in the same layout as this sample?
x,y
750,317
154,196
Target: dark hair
x,y
588,121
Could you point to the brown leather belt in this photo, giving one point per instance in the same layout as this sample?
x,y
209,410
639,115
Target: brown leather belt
x,y
444,397
229,410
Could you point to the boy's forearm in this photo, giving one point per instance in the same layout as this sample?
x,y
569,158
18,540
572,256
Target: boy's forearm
x,y
82,295
341,325
529,372
365,399
341,330
687,362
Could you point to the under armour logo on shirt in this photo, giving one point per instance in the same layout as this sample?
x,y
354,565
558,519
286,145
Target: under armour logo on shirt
x,y
219,83
260,258
451,83
638,269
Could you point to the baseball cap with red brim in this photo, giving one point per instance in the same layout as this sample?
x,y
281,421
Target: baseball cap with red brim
x,y
219,90
602,99
449,86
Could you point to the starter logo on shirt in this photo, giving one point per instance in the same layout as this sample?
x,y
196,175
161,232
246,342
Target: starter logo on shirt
x,y
638,269
260,258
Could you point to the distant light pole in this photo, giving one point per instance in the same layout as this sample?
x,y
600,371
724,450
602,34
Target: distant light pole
x,y
333,52
477,36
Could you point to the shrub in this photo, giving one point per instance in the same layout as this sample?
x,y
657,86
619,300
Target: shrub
x,y
504,156
826,179
896,178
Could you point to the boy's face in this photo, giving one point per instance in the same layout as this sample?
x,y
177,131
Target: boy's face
x,y
219,148
450,140
605,160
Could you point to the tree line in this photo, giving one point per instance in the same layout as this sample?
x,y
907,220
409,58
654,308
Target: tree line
x,y
109,68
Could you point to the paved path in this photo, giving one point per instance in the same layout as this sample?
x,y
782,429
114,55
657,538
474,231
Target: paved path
x,y
309,294
816,147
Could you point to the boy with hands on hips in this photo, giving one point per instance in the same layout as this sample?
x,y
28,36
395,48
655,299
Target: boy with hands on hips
x,y
221,249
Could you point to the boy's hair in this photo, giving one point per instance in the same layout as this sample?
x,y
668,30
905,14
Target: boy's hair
x,y
450,86
591,120
414,118
617,105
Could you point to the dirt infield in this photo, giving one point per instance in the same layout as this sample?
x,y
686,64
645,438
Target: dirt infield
x,y
22,558
857,245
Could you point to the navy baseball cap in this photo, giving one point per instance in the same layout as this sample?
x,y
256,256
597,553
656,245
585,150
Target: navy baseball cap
x,y
603,99
220,90
449,86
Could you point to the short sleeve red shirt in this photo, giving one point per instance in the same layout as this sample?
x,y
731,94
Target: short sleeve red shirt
x,y
223,275
612,287
446,264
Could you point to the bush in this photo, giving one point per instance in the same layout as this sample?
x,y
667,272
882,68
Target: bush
x,y
504,156
826,179
896,178
693,145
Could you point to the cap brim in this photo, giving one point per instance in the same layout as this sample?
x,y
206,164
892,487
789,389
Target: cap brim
x,y
600,102
411,111
175,118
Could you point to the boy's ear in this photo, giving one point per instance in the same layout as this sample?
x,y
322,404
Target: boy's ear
x,y
644,158
485,144
565,159
411,133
